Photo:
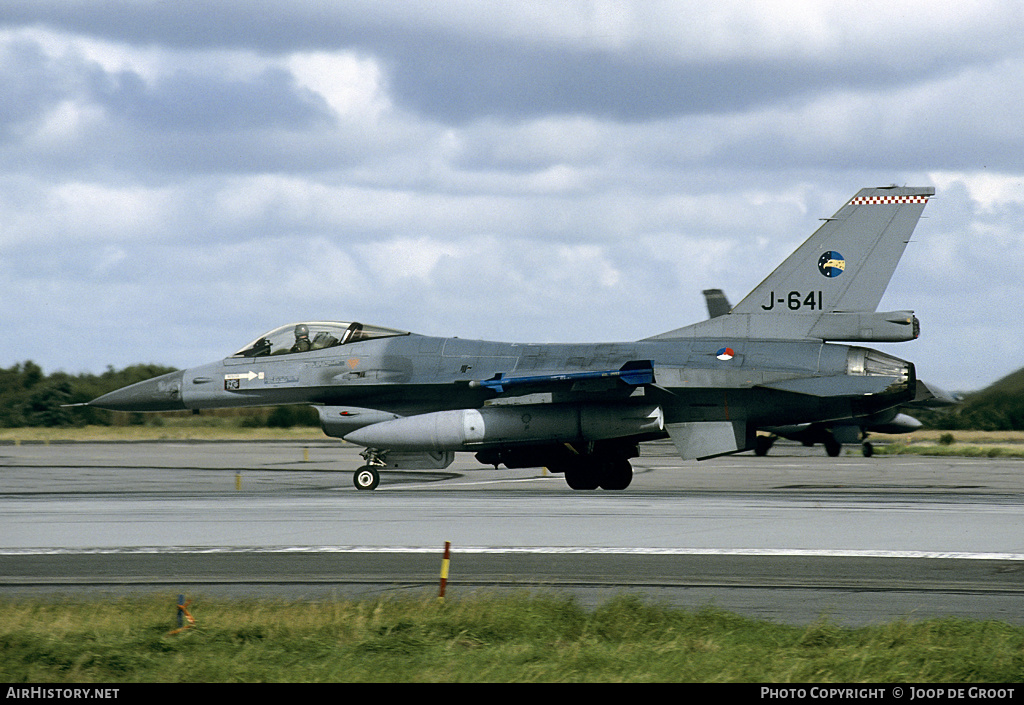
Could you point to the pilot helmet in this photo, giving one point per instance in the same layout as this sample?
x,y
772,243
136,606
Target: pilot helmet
x,y
302,331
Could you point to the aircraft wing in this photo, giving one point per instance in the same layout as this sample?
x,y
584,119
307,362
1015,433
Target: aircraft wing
x,y
836,386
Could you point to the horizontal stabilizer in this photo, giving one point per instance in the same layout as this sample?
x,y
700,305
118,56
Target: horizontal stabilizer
x,y
633,373
931,397
699,440
838,386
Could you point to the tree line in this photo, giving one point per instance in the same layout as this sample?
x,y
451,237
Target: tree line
x,y
998,407
28,397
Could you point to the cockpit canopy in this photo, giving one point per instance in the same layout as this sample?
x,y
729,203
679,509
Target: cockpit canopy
x,y
313,335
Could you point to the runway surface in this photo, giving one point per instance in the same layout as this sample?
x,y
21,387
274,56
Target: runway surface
x,y
791,537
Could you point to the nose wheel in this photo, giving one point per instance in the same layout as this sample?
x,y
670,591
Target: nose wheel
x,y
366,478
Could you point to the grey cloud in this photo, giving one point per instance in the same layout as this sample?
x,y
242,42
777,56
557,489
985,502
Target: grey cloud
x,y
460,72
457,81
203,103
183,121
29,85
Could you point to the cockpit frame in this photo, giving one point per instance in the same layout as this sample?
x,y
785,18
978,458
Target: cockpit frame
x,y
307,336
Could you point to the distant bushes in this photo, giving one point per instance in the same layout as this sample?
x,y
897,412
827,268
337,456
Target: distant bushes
x,y
998,407
989,415
28,397
289,416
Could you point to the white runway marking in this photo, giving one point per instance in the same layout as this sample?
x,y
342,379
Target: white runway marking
x,y
552,550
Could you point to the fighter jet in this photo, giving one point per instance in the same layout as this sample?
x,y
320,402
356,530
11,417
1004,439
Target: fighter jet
x,y
782,356
833,434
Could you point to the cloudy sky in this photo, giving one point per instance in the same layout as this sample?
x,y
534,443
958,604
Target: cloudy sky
x,y
177,177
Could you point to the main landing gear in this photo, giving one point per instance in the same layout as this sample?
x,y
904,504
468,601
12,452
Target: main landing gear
x,y
610,474
586,467
832,446
613,474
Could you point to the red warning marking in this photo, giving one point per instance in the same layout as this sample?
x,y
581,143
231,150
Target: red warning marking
x,y
879,200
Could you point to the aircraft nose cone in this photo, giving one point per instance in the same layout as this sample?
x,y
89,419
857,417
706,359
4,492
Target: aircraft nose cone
x,y
158,394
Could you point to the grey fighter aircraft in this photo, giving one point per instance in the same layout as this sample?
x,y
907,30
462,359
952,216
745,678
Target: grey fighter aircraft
x,y
777,358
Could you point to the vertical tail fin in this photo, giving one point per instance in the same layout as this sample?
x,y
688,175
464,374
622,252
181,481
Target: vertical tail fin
x,y
829,288
846,265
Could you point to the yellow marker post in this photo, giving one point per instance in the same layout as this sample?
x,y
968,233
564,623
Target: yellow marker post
x,y
238,480
444,569
305,455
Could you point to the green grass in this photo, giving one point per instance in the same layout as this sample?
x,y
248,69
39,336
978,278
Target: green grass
x,y
489,638
959,450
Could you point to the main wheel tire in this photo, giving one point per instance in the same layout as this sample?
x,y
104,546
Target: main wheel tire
x,y
581,478
833,447
366,478
867,449
617,475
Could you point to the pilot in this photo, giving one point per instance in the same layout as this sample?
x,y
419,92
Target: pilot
x,y
302,343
